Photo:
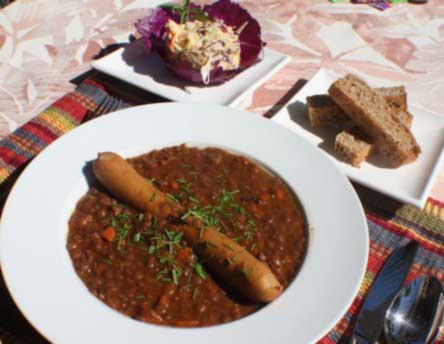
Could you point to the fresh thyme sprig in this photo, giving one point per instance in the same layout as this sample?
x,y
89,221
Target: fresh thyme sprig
x,y
119,223
185,10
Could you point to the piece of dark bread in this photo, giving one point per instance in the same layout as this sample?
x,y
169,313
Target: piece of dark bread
x,y
322,110
405,117
369,111
353,146
396,97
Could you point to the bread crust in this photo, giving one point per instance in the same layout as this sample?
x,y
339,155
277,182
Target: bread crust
x,y
324,111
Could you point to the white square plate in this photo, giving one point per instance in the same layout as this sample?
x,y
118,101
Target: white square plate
x,y
133,65
410,183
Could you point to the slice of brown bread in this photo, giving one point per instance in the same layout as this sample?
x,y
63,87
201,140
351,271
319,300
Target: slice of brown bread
x,y
396,97
322,110
353,146
369,111
405,117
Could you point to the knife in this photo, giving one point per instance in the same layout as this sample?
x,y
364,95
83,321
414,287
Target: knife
x,y
385,287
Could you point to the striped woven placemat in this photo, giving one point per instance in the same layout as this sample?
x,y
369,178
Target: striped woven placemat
x,y
391,224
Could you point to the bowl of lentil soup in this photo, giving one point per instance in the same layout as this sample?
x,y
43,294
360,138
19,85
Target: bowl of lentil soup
x,y
97,257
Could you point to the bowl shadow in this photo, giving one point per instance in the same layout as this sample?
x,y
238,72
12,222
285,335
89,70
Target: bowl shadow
x,y
87,171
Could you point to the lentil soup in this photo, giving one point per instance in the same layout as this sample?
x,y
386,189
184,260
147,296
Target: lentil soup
x,y
137,265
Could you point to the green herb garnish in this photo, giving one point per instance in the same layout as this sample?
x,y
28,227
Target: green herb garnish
x,y
228,247
122,228
185,12
209,243
137,237
166,280
249,235
231,261
186,286
251,223
195,292
153,197
161,274
176,198
107,261
193,199
175,273
201,231
184,185
200,270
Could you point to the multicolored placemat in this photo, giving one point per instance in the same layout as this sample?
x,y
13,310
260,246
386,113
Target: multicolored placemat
x,y
391,224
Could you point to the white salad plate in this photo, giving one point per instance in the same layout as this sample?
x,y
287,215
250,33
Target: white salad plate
x,y
33,230
135,66
410,183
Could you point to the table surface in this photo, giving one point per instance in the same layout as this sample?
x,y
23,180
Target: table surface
x,y
46,43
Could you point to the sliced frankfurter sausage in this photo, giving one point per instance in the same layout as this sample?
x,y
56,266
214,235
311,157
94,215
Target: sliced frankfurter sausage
x,y
223,257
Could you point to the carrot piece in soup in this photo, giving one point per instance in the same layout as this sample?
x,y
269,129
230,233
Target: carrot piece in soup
x,y
109,233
